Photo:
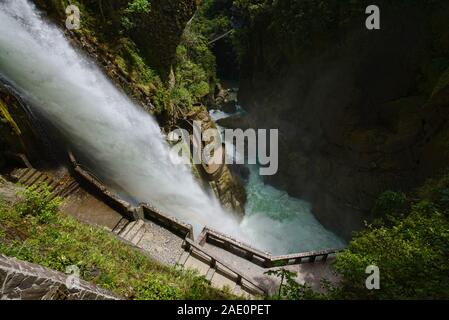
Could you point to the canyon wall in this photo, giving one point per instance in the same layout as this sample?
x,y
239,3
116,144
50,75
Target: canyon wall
x,y
359,111
156,26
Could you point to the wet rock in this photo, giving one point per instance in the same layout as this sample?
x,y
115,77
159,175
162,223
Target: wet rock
x,y
9,192
17,132
227,187
236,122
225,99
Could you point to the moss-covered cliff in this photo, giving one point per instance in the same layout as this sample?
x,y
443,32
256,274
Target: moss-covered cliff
x,y
134,41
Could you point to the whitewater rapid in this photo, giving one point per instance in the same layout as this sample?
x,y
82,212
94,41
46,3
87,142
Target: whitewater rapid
x,y
120,142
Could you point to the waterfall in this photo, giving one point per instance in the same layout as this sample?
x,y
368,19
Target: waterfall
x,y
120,142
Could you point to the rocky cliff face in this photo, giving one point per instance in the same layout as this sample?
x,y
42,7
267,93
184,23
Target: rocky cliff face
x,y
155,26
17,134
359,112
227,187
162,31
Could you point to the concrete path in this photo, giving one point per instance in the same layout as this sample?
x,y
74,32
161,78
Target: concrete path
x,y
88,208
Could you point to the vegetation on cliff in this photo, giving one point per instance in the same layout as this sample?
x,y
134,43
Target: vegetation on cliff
x,y
33,230
145,46
409,244
213,20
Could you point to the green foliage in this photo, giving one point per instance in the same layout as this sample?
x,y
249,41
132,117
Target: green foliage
x,y
161,100
389,203
138,6
194,72
410,250
290,289
135,11
191,75
444,196
436,190
411,255
213,19
155,289
34,231
131,63
295,291
285,275
38,203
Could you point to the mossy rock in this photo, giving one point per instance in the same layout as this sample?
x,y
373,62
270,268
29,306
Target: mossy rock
x,y
16,131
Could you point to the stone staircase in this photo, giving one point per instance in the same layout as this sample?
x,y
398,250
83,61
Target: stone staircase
x,y
160,243
131,231
30,177
218,273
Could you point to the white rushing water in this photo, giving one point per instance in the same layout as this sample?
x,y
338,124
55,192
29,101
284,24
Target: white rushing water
x,y
124,144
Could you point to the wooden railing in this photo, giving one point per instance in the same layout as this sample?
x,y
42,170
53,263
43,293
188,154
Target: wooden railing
x,y
298,258
19,157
